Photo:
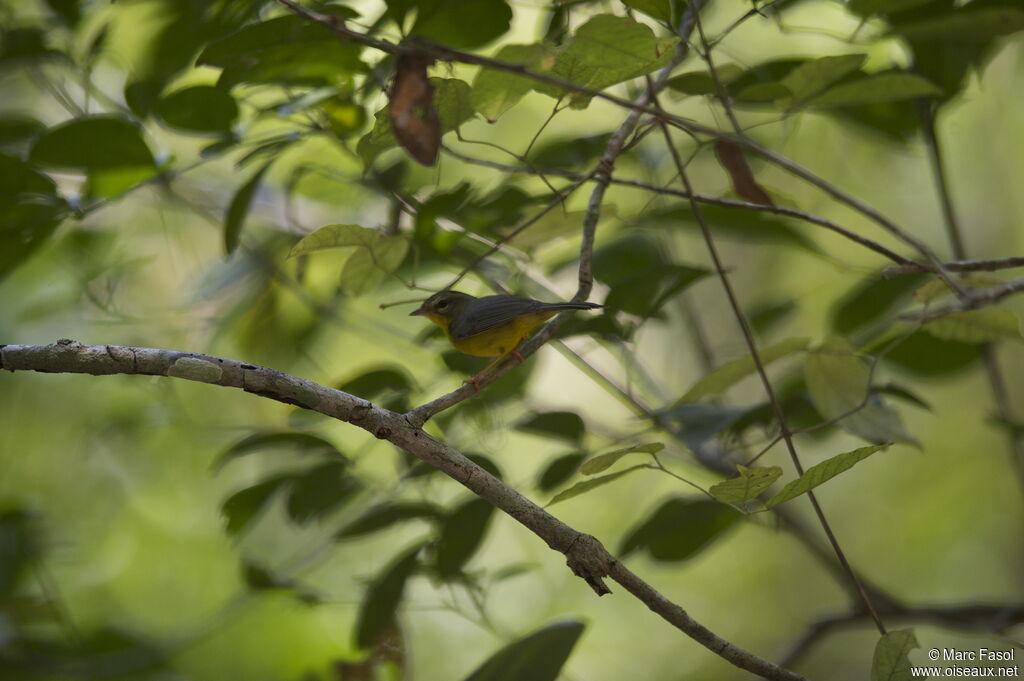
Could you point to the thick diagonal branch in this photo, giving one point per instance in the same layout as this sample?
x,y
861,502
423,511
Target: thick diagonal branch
x,y
585,555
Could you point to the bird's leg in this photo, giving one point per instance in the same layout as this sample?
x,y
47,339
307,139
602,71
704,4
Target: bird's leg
x,y
475,380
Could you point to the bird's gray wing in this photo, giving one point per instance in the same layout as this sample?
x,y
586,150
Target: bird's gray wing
x,y
484,314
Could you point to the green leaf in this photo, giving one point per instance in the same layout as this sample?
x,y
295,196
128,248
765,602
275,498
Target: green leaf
x,y
605,461
238,210
560,470
904,394
871,300
15,127
68,10
376,255
305,443
702,82
730,373
20,548
30,211
537,657
812,77
367,267
680,529
259,578
379,608
344,116
604,51
976,326
241,507
570,152
658,9
924,354
562,425
462,533
646,293
110,149
495,91
321,490
386,515
25,45
891,661
93,143
464,24
880,87
593,483
390,381
453,99
765,316
202,108
965,25
746,486
839,384
334,236
285,50
822,473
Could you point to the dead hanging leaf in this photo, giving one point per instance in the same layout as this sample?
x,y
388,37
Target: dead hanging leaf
x,y
411,108
732,159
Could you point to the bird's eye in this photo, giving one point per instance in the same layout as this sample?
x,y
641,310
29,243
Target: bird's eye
x,y
442,304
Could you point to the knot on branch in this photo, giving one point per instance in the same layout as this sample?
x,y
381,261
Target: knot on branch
x,y
369,418
603,172
590,560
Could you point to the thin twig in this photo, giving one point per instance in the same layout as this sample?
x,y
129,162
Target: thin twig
x,y
710,200
984,617
559,199
756,11
723,96
976,298
956,266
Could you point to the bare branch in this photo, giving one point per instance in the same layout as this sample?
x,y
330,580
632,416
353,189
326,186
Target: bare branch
x,y
585,555
966,616
974,299
956,266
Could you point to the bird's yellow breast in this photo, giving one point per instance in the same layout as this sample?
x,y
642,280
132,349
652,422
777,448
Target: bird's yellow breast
x,y
497,341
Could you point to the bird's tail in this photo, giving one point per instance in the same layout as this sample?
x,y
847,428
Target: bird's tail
x,y
554,307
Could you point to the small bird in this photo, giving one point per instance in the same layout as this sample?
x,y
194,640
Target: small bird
x,y
491,326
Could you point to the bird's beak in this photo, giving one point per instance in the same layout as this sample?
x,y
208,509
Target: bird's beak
x,y
418,311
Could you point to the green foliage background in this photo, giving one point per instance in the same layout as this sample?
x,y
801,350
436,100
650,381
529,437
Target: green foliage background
x,y
158,206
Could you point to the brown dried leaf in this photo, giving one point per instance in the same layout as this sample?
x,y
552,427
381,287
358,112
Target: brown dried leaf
x,y
411,108
732,159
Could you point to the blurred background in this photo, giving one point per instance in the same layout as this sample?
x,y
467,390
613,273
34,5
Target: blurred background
x,y
155,528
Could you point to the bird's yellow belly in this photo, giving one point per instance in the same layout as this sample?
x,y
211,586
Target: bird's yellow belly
x,y
501,339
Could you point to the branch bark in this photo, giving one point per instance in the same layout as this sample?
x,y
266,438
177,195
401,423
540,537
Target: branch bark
x,y
585,555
